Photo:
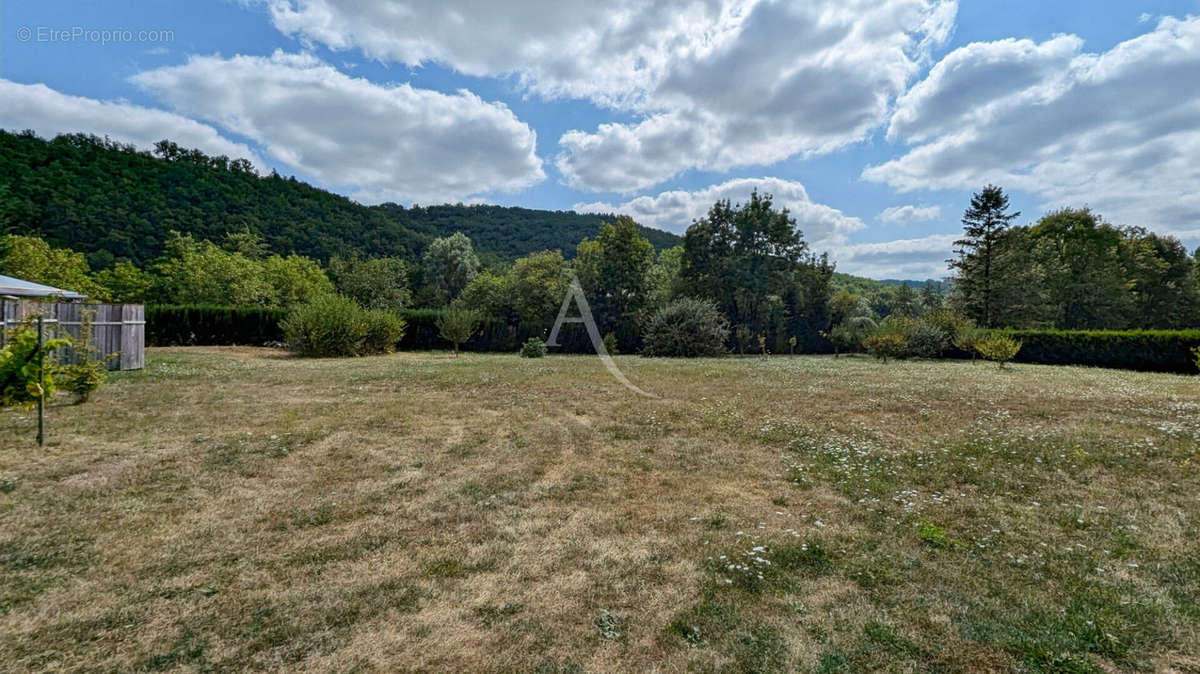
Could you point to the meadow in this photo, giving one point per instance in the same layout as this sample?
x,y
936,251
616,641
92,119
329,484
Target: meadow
x,y
236,508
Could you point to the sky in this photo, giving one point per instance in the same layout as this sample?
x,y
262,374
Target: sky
x,y
872,121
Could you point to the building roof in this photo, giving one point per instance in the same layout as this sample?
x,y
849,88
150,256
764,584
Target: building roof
x,y
22,288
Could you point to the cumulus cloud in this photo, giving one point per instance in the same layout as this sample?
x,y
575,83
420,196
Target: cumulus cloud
x,y
50,112
377,142
823,226
899,215
715,84
1118,130
919,258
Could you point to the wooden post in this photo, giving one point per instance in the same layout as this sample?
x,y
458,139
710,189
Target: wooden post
x,y
41,391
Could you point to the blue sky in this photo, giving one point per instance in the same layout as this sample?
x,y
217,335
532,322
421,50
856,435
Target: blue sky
x,y
872,124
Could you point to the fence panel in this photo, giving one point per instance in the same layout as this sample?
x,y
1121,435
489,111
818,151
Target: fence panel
x,y
116,328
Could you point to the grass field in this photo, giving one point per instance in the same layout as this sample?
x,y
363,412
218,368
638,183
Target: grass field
x,y
230,509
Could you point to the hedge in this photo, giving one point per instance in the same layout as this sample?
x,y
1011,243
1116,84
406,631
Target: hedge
x,y
191,325
1147,350
493,334
175,325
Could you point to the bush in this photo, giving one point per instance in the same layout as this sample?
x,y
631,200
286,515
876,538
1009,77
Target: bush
x,y
686,328
19,381
935,332
190,325
1147,350
850,333
998,348
967,339
1196,353
333,326
88,367
885,345
926,340
533,347
610,343
384,331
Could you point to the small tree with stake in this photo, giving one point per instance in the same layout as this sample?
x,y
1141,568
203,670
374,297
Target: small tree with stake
x,y
456,325
25,381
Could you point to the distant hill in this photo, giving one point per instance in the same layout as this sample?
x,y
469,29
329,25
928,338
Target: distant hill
x,y
113,202
512,231
870,287
942,286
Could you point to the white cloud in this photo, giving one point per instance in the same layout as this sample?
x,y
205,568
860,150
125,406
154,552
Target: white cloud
x,y
715,83
898,215
823,226
378,142
1118,131
917,259
49,113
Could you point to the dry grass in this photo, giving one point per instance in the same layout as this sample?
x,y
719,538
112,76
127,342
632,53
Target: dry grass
x,y
231,509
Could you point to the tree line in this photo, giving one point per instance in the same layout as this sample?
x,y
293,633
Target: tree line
x,y
1070,270
749,261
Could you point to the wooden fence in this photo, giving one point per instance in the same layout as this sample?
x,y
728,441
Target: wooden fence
x,y
116,328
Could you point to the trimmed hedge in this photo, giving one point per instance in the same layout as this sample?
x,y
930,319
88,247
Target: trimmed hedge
x,y
175,325
1147,350
190,325
492,335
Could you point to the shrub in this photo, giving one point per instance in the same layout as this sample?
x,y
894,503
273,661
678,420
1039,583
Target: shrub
x,y
686,328
384,331
926,340
610,343
456,325
533,347
998,348
20,384
885,345
967,339
88,367
333,325
326,326
850,333
1196,353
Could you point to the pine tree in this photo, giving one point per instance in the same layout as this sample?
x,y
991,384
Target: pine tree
x,y
983,224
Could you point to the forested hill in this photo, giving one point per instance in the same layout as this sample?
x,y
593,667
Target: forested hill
x,y
512,231
115,203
